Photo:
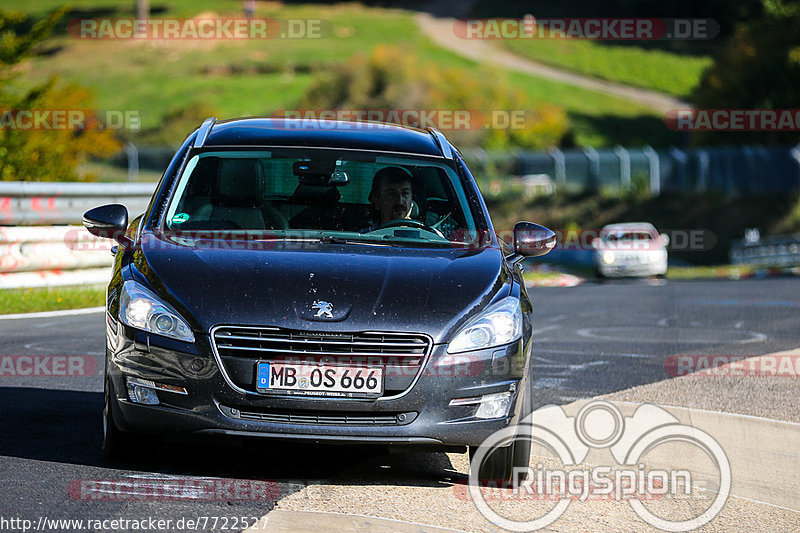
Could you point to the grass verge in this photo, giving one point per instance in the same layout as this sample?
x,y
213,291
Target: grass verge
x,y
657,70
32,300
723,271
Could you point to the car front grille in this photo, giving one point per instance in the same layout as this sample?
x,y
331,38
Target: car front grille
x,y
402,355
322,417
267,343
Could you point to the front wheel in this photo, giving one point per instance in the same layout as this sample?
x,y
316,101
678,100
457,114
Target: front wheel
x,y
599,274
498,466
112,436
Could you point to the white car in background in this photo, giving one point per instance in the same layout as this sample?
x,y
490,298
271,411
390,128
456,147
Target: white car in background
x,y
630,249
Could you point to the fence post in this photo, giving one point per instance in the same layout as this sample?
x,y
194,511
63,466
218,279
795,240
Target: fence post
x,y
594,167
679,157
560,165
133,161
624,166
702,170
655,170
795,153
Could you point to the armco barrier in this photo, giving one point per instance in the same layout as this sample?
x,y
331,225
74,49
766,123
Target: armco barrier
x,y
51,256
55,278
52,203
769,251
31,249
35,251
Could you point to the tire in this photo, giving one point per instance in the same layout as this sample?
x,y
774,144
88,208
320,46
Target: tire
x,y
113,437
498,466
599,275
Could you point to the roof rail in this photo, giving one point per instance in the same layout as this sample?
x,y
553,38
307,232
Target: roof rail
x,y
441,142
202,133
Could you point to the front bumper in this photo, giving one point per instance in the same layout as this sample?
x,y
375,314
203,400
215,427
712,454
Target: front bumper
x,y
420,416
632,269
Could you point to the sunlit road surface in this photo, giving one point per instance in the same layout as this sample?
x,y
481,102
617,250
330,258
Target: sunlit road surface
x,y
590,340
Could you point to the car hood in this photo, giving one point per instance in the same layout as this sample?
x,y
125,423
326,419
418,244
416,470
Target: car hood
x,y
378,288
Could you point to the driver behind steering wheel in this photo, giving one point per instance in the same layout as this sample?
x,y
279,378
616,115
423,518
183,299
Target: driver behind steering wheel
x,y
391,196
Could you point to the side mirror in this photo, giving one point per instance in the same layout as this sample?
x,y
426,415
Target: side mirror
x,y
532,239
665,239
108,221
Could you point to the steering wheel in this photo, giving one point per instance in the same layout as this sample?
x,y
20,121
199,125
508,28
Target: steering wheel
x,y
405,222
411,223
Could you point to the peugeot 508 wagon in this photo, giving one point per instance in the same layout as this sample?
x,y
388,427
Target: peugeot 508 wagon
x,y
318,280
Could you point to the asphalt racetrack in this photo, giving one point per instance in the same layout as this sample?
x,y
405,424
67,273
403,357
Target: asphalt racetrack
x,y
589,340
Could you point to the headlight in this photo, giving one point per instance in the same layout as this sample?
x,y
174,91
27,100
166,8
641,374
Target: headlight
x,y
654,255
499,324
608,257
139,308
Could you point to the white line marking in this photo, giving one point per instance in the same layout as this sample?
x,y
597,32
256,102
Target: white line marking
x,y
50,314
680,335
711,411
602,354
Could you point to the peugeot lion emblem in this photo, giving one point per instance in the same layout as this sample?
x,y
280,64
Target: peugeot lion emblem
x,y
324,309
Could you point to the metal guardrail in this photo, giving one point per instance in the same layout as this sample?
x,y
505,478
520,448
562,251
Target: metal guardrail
x,y
53,253
34,249
771,251
54,203
729,170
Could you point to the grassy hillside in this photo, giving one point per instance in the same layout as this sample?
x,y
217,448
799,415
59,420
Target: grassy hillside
x,y
658,70
174,84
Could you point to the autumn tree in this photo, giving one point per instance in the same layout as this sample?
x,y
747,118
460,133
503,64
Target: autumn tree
x,y
41,153
759,68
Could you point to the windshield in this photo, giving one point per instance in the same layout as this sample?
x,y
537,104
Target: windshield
x,y
623,236
323,194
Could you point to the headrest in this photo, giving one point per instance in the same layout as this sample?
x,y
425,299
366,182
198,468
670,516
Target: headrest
x,y
240,183
203,175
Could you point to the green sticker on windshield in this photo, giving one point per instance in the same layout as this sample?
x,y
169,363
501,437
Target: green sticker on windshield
x,y
180,218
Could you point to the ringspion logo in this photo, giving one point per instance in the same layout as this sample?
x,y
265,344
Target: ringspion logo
x,y
600,425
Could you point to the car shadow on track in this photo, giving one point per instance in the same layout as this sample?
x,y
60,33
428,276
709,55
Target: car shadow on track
x,y
65,426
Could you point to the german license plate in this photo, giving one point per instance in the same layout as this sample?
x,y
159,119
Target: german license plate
x,y
318,380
